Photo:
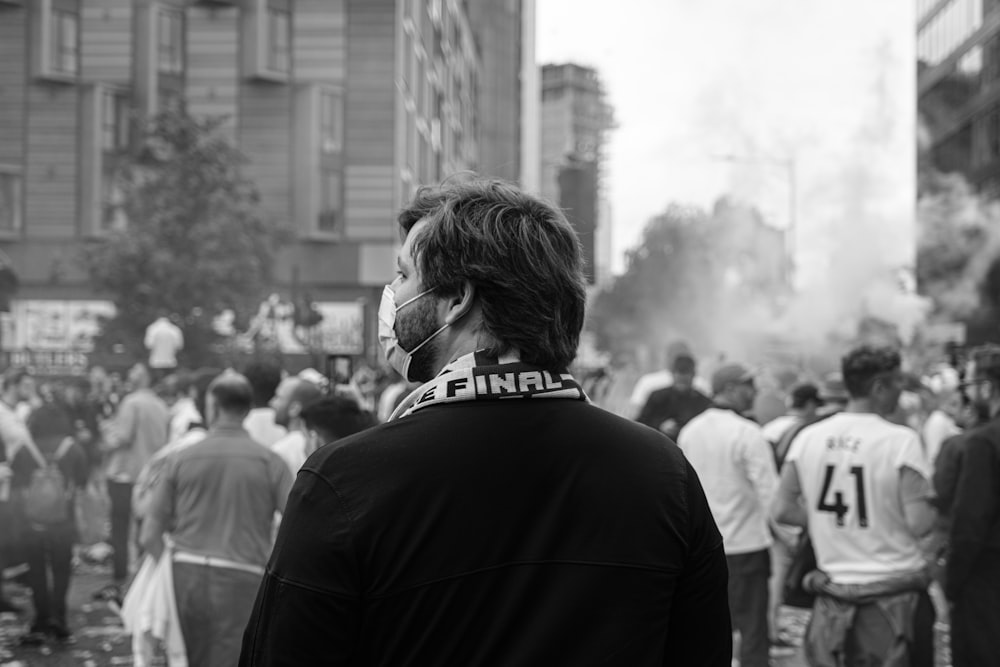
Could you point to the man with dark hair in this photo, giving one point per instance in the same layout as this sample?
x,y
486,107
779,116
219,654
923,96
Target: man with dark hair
x,y
671,408
292,396
498,517
264,376
860,484
333,418
803,403
217,499
737,468
972,581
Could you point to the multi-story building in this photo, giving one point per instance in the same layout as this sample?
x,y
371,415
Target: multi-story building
x,y
958,52
343,107
575,120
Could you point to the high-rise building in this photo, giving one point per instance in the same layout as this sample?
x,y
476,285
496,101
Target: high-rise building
x,y
958,67
343,108
575,120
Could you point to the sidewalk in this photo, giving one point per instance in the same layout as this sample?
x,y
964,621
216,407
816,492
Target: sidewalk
x,y
99,638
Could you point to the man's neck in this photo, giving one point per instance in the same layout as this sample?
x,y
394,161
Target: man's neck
x,y
227,423
862,406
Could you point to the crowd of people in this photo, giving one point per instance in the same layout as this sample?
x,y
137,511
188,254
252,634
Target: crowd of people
x,y
482,509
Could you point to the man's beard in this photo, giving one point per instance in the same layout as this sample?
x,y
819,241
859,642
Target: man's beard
x,y
412,329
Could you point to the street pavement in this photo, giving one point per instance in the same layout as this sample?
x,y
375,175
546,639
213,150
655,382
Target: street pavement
x,y
99,639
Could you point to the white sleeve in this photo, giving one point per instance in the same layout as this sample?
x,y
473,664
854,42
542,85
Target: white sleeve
x,y
911,454
758,461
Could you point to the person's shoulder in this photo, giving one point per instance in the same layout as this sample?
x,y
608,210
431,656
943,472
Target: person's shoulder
x,y
983,436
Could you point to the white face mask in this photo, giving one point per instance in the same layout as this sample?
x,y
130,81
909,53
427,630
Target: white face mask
x,y
397,357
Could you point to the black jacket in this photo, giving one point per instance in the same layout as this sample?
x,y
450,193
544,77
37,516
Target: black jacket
x,y
975,510
516,532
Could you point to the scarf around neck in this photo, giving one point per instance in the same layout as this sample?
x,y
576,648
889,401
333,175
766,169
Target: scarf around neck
x,y
480,377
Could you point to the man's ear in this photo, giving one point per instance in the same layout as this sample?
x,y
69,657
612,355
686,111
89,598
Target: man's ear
x,y
460,303
294,408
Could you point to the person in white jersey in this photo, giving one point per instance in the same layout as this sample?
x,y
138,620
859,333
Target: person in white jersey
x,y
861,486
736,467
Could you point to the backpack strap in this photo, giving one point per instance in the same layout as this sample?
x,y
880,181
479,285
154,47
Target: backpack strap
x,y
30,445
64,447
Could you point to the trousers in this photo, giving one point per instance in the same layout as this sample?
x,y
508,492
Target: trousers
x,y
748,604
213,606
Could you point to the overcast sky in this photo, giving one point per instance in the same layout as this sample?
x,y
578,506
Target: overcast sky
x,y
828,84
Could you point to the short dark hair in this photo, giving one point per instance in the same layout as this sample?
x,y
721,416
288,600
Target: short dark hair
x,y
336,417
519,253
862,366
232,392
803,394
684,363
264,376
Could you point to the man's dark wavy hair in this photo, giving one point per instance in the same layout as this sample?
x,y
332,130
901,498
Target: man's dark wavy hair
x,y
862,365
519,252
987,360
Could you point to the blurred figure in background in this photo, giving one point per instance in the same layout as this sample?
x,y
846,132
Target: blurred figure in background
x,y
164,340
803,404
668,410
183,409
650,382
49,519
943,421
736,466
972,578
293,395
217,500
140,427
264,376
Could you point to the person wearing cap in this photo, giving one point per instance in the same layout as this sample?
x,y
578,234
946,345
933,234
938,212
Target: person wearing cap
x,y
217,499
671,408
499,517
861,486
736,466
972,571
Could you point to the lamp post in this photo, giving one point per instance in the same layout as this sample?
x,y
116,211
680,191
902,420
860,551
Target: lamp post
x,y
788,165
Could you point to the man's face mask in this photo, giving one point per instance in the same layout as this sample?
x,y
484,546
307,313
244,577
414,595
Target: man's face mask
x,y
397,357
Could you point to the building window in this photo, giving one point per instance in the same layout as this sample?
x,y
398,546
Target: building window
x,y
63,41
112,200
114,121
171,42
279,40
331,122
10,200
331,211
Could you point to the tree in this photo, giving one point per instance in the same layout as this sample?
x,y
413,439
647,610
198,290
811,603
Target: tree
x,y
196,241
698,276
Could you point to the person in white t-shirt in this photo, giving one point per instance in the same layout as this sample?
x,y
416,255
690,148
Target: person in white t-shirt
x,y
736,467
942,422
164,340
861,485
293,394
